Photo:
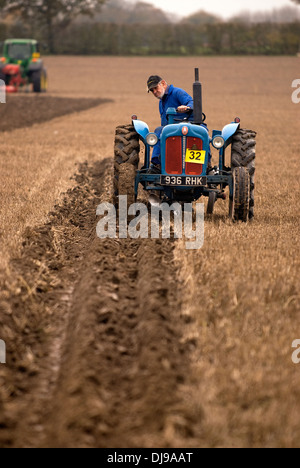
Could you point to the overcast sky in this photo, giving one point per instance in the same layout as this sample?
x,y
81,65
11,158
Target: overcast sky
x,y
224,8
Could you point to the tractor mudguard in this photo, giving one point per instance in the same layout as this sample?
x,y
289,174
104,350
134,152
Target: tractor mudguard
x,y
35,66
228,132
141,128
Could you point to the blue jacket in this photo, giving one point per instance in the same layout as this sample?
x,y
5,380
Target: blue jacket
x,y
174,97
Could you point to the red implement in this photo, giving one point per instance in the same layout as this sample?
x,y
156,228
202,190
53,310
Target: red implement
x,y
15,80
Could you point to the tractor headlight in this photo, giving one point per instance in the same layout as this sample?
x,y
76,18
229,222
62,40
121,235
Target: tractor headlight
x,y
151,139
218,142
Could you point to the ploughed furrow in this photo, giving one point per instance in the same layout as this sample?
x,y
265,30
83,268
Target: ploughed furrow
x,y
95,342
123,361
34,308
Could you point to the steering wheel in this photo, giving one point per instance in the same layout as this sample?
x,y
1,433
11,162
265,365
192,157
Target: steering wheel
x,y
189,112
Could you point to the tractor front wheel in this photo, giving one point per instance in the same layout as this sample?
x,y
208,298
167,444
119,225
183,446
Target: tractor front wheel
x,y
126,161
211,203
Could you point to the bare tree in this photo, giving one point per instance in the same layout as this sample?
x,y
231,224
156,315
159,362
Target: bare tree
x,y
52,13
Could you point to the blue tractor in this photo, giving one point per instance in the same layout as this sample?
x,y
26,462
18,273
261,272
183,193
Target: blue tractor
x,y
186,170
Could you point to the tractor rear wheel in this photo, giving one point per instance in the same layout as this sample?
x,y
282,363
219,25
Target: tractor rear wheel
x,y
126,161
243,153
240,202
36,81
39,81
44,81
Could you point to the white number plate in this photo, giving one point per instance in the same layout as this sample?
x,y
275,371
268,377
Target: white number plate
x,y
186,181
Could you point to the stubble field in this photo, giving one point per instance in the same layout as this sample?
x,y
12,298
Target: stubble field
x,y
141,343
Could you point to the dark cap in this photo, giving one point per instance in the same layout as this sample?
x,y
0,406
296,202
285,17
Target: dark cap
x,y
153,81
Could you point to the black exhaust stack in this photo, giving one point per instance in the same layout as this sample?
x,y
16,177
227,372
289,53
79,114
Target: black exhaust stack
x,y
197,90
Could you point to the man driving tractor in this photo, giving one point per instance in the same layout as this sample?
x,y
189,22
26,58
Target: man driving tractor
x,y
169,96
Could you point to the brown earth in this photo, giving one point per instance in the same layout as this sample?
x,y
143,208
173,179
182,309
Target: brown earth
x,y
104,343
24,111
141,343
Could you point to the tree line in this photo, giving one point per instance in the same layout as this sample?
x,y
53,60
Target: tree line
x,y
167,39
115,27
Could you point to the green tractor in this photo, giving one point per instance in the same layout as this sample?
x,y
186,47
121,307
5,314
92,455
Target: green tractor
x,y
21,65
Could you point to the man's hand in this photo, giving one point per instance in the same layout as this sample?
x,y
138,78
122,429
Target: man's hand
x,y
183,109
